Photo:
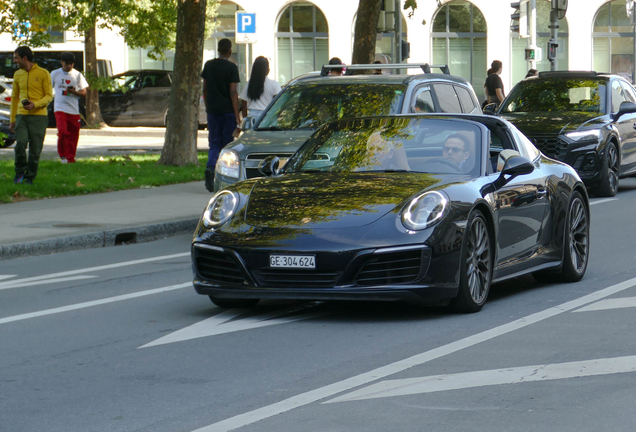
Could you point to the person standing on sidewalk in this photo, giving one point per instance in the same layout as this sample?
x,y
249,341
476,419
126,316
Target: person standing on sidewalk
x,y
220,81
29,119
260,90
69,85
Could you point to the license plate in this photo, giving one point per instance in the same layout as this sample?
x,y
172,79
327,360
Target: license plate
x,y
293,261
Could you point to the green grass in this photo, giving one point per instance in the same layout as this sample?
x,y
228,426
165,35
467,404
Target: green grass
x,y
95,175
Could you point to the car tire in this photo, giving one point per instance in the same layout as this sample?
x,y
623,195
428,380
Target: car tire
x,y
608,186
228,303
576,244
475,265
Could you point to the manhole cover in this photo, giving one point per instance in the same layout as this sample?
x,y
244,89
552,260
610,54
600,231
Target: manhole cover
x,y
77,225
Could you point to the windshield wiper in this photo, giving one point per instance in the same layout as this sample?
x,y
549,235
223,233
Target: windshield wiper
x,y
270,128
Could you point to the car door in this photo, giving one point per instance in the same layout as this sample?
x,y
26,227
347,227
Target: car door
x,y
150,102
521,207
625,124
447,98
629,140
115,104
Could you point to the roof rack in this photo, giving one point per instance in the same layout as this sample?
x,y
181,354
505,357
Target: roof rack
x,y
555,74
424,66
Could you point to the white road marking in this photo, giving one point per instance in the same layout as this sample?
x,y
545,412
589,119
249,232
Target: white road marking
x,y
437,383
615,303
9,284
46,281
93,303
224,323
601,201
7,276
330,390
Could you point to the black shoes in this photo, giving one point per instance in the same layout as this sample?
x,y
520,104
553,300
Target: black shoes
x,y
28,181
209,179
18,178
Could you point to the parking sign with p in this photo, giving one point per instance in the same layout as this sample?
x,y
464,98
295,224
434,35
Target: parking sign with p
x,y
245,27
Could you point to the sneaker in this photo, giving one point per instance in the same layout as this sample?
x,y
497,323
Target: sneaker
x,y
209,179
28,181
18,178
63,160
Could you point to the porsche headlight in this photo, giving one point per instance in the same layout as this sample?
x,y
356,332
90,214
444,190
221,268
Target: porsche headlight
x,y
588,135
220,208
425,210
228,163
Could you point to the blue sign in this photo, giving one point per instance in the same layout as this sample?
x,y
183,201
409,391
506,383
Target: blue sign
x,y
245,22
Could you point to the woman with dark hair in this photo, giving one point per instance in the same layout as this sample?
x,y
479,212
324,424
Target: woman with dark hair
x,y
260,90
494,84
532,73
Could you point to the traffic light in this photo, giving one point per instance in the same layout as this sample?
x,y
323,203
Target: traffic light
x,y
519,17
552,50
406,49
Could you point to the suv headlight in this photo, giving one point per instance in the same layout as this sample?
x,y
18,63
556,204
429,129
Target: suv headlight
x,y
588,135
425,210
228,163
220,208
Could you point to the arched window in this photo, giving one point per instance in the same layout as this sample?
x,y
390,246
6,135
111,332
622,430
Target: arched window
x,y
613,40
520,64
459,40
226,28
303,40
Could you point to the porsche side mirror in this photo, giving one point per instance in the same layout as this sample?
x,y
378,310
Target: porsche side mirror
x,y
515,166
248,123
490,108
269,166
625,108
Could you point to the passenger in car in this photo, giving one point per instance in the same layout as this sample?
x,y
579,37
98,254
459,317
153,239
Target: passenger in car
x,y
385,155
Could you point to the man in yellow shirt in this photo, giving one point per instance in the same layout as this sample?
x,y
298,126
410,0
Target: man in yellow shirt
x,y
31,94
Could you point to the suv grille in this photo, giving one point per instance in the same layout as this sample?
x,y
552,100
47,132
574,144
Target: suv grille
x,y
391,268
550,146
253,160
216,266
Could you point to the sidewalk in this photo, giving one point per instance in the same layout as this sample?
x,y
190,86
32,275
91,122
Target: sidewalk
x,y
98,220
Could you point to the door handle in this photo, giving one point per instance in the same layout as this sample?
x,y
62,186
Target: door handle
x,y
634,125
542,193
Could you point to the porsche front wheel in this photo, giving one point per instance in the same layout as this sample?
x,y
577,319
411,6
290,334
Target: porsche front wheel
x,y
475,265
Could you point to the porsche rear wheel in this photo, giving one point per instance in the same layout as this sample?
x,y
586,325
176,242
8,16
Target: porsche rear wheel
x,y
228,303
608,187
475,266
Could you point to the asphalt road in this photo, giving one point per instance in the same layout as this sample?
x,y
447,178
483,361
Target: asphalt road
x,y
116,339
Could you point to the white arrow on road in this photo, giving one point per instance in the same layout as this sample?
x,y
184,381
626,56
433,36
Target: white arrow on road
x,y
516,375
613,303
227,322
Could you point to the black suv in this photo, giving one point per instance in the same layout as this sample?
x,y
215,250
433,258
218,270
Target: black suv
x,y
585,119
312,100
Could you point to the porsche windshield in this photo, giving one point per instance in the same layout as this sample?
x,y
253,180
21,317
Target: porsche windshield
x,y
436,146
559,94
310,106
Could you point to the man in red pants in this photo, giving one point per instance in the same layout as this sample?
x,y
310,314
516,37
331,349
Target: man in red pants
x,y
69,85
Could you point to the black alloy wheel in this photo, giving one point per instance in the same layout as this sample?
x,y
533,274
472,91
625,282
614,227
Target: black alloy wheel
x,y
230,303
476,265
608,187
576,244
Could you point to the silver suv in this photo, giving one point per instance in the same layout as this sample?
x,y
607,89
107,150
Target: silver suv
x,y
309,101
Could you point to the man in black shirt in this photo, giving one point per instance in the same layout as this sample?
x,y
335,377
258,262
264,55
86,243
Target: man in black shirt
x,y
220,80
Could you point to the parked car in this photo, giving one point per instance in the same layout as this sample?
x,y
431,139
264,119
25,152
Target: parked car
x,y
308,102
585,119
141,99
373,209
5,117
6,87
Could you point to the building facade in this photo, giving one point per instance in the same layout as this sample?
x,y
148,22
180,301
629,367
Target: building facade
x,y
300,36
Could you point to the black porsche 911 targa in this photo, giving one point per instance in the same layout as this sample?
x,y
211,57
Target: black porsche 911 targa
x,y
429,208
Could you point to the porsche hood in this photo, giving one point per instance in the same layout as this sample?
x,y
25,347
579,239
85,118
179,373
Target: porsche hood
x,y
330,200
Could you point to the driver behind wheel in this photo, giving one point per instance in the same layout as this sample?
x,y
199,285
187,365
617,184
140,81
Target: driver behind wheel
x,y
457,149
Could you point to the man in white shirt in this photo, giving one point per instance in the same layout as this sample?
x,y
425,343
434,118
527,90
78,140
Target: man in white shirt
x,y
69,85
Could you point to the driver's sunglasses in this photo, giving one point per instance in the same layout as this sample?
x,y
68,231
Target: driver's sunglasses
x,y
453,149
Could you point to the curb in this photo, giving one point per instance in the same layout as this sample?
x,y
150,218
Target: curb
x,y
107,238
127,132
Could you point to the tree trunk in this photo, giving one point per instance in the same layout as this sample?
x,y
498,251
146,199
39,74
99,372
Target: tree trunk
x,y
366,31
180,145
93,113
